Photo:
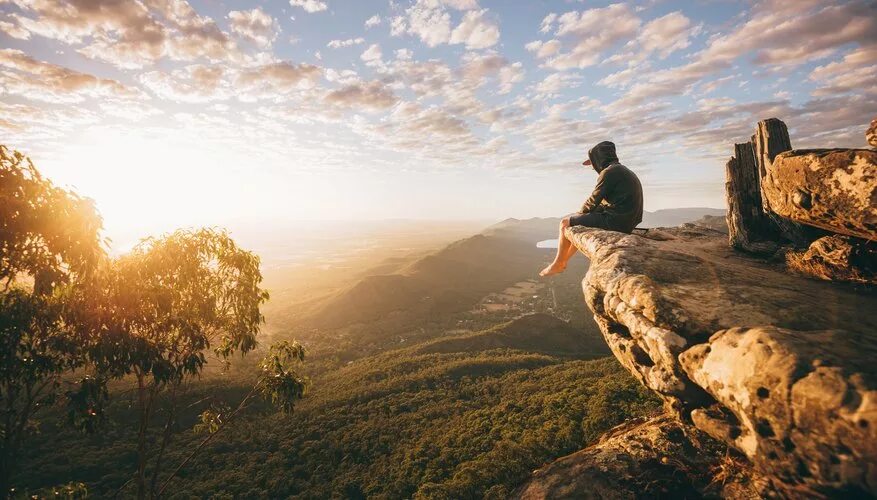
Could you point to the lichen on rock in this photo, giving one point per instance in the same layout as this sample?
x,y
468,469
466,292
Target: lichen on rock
x,y
832,189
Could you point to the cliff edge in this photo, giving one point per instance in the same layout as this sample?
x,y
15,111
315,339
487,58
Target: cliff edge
x,y
775,367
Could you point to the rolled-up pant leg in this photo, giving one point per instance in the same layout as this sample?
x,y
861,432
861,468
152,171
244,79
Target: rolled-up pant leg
x,y
590,220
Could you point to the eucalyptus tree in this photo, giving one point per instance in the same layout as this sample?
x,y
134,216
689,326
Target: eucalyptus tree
x,y
50,248
168,305
72,319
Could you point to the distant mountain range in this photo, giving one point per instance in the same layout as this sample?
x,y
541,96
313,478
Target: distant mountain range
x,y
459,275
671,217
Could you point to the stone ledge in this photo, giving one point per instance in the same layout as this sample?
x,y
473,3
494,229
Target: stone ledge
x,y
711,330
648,458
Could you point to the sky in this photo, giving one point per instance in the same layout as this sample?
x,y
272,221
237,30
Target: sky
x,y
251,113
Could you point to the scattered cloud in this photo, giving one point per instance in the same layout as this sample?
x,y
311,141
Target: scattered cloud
x,y
309,5
335,44
448,90
431,22
28,77
358,96
584,35
372,21
372,54
475,31
254,25
667,34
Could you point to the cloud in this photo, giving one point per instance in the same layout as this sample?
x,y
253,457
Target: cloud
x,y
856,72
372,95
309,5
441,110
543,49
548,23
128,34
479,68
14,30
38,80
432,25
554,83
509,75
475,31
38,127
254,25
453,4
194,84
372,21
335,44
372,54
431,22
666,34
275,80
774,37
588,32
412,127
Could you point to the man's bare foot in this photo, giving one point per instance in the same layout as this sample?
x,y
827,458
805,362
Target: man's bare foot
x,y
553,268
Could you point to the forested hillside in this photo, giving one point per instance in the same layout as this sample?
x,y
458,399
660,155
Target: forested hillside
x,y
418,400
455,424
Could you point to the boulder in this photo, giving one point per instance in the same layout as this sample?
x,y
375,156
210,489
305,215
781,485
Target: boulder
x,y
802,405
648,458
832,189
837,258
743,350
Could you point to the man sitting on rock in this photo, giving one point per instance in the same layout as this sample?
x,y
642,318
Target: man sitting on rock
x,y
616,203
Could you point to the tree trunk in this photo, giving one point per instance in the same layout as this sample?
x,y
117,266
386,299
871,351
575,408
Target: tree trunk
x,y
144,403
772,138
749,227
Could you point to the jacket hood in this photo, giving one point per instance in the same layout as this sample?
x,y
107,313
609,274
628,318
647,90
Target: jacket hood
x,y
602,155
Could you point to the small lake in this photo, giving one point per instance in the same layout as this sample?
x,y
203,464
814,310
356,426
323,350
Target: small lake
x,y
546,244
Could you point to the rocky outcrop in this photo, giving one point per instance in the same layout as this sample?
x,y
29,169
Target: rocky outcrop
x,y
837,257
658,457
768,363
800,404
777,366
833,189
816,207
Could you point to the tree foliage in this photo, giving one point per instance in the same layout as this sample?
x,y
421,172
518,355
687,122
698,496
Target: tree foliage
x,y
49,249
150,317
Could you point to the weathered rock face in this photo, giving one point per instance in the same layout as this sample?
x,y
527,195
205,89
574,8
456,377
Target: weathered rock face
x,y
837,258
660,457
778,366
833,189
801,405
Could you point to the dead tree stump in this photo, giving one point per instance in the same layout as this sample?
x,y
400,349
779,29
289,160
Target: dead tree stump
x,y
749,227
772,138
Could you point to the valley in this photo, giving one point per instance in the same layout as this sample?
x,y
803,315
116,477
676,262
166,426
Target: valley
x,y
450,373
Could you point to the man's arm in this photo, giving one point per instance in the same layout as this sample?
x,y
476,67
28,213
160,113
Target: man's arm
x,y
600,192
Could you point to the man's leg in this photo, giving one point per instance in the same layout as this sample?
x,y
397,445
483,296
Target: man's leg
x,y
565,251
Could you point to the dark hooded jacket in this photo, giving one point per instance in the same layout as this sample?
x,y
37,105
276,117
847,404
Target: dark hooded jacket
x,y
618,194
